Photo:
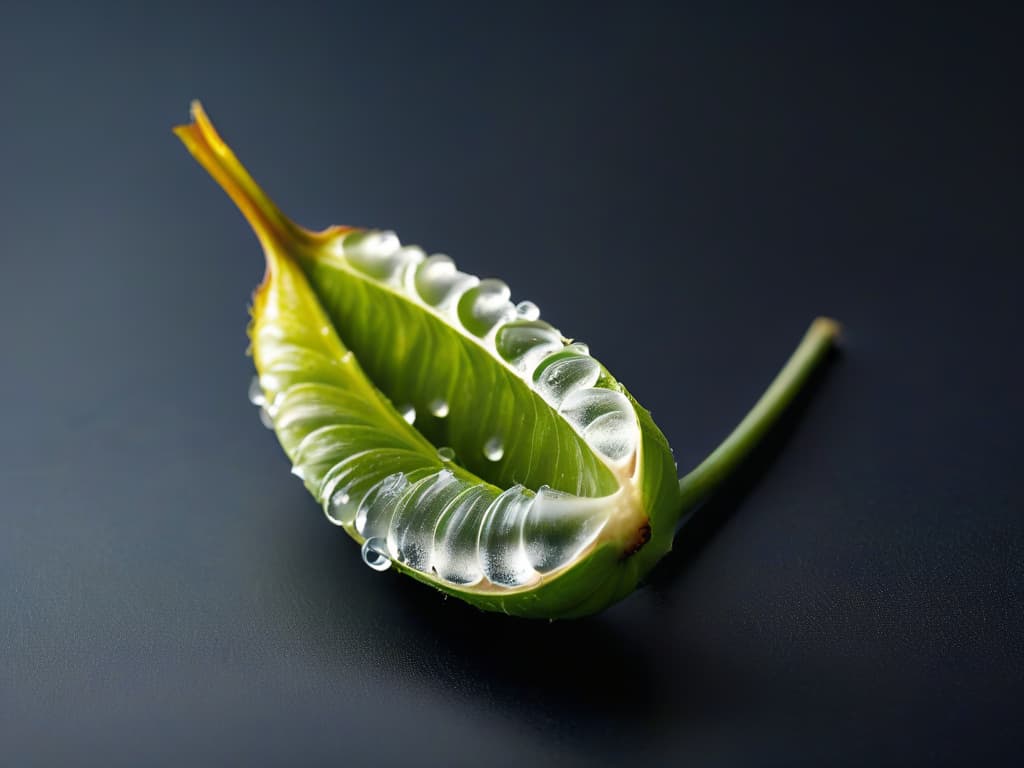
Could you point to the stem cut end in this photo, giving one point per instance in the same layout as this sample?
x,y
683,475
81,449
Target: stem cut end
x,y
827,328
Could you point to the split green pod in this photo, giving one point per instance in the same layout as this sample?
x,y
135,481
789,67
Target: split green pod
x,y
456,436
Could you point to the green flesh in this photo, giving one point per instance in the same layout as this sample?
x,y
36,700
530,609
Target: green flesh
x,y
415,359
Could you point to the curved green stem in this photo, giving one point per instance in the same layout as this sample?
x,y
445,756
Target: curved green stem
x,y
699,484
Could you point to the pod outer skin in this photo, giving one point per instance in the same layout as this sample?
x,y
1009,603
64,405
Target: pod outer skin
x,y
613,567
601,578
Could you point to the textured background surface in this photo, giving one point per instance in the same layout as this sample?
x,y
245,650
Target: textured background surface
x,y
682,190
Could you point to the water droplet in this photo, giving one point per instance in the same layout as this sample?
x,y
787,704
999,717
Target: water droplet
x,y
563,373
579,346
445,453
439,407
438,282
375,554
559,526
502,555
524,343
379,254
256,396
494,449
377,507
298,472
527,310
485,306
605,419
410,536
325,330
341,507
371,242
455,537
265,418
408,412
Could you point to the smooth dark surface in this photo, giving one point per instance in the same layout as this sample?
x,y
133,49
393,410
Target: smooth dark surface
x,y
684,190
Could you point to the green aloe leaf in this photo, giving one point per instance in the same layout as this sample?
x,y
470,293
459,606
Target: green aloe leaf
x,y
456,436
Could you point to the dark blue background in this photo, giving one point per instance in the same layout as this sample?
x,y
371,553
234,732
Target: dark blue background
x,y
684,190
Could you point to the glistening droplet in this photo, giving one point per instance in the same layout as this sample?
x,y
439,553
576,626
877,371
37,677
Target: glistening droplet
x,y
375,554
341,507
256,396
605,419
563,373
439,407
454,553
503,558
379,254
445,453
408,413
527,310
524,343
410,535
265,418
559,526
484,306
377,506
494,449
438,282
580,347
